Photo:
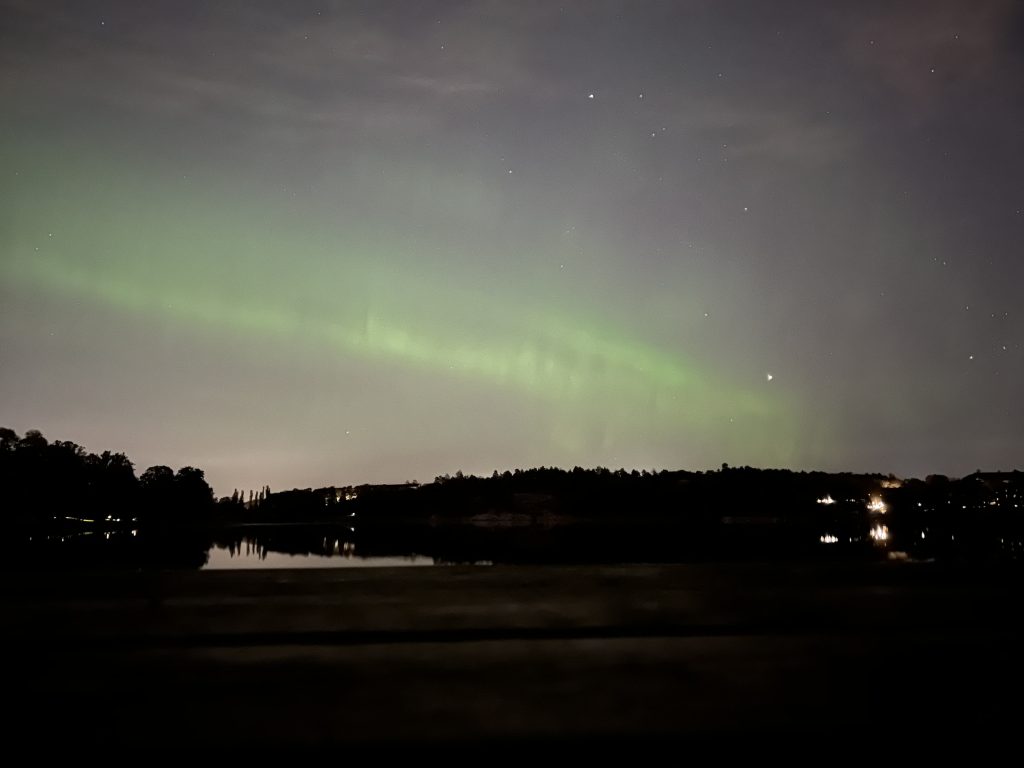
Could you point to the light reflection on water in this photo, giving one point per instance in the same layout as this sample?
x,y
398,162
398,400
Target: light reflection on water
x,y
333,546
250,556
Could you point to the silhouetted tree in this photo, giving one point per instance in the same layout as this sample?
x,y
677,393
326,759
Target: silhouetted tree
x,y
8,439
193,496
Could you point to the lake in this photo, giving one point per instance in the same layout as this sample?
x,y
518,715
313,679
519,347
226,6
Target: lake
x,y
421,545
251,555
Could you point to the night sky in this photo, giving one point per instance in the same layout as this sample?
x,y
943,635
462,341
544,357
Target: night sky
x,y
326,243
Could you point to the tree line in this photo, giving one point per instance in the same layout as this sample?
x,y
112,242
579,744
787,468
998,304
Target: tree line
x,y
59,482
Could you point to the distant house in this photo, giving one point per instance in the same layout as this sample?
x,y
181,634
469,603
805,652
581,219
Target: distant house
x,y
1007,488
353,492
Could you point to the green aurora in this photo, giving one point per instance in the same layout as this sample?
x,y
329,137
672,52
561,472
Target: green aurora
x,y
325,243
233,272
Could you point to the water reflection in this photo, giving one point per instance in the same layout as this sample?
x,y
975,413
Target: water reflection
x,y
253,553
105,548
834,534
333,546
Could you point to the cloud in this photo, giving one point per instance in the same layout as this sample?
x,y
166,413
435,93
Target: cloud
x,y
916,48
282,75
775,131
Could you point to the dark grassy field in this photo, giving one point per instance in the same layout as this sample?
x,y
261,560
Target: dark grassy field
x,y
575,656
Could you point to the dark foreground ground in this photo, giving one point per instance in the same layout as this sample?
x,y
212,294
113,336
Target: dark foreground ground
x,y
852,656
